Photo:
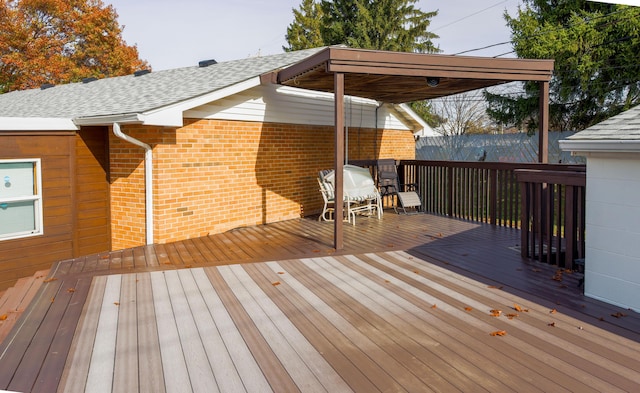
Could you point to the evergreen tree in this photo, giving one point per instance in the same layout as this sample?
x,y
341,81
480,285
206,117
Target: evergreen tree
x,y
597,74
394,25
304,32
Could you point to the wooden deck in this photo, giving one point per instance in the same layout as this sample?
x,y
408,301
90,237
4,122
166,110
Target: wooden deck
x,y
407,306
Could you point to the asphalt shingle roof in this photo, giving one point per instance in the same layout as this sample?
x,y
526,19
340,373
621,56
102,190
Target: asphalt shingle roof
x,y
624,126
139,94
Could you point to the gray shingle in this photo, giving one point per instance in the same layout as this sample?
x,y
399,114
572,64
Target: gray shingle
x,y
138,94
625,126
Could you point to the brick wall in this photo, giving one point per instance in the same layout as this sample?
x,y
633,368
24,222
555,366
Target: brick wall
x,y
211,176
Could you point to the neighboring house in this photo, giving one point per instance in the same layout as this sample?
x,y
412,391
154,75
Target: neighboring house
x,y
612,262
163,156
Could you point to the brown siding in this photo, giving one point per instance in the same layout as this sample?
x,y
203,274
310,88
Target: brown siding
x,y
23,257
93,231
75,191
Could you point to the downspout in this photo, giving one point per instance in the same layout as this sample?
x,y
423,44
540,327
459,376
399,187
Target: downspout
x,y
148,178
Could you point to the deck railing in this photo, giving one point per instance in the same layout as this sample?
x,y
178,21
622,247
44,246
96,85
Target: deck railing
x,y
490,192
553,215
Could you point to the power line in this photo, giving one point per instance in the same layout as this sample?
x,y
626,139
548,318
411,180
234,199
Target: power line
x,y
594,19
470,15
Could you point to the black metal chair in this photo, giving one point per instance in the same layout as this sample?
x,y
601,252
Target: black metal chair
x,y
390,186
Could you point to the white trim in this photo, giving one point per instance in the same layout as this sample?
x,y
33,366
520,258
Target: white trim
x,y
616,145
172,115
37,124
37,198
414,118
169,115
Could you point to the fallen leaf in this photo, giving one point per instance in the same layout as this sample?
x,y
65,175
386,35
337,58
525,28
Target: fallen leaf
x,y
71,290
553,311
495,313
3,317
552,324
434,306
280,272
53,299
495,287
517,308
511,316
499,333
416,272
468,309
275,283
50,279
619,315
116,303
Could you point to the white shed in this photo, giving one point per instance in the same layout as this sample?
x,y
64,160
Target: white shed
x,y
612,258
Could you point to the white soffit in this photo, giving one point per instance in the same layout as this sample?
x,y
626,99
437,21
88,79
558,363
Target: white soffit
x,y
37,124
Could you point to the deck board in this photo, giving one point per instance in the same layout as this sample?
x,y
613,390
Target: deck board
x,y
405,307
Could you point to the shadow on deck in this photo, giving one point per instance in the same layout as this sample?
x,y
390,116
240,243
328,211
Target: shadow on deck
x,y
432,258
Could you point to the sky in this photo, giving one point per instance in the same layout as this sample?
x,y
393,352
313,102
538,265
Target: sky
x,y
172,34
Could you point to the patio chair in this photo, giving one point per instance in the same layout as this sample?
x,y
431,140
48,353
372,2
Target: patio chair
x,y
329,201
360,193
389,184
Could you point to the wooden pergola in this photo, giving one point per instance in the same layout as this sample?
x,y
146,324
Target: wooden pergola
x,y
395,77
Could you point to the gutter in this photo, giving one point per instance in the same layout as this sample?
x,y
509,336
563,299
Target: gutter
x,y
148,178
600,145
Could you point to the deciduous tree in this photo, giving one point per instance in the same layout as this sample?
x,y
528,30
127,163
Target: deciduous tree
x,y
61,41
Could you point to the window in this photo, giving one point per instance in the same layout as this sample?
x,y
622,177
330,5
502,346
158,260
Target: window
x,y
20,198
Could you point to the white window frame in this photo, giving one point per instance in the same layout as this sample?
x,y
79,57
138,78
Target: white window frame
x,y
36,198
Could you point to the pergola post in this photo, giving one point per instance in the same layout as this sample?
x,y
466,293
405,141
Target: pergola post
x,y
338,241
543,123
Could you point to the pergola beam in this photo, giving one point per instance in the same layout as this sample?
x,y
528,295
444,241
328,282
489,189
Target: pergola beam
x,y
396,77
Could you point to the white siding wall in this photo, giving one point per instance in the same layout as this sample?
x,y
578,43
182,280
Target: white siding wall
x,y
280,104
612,265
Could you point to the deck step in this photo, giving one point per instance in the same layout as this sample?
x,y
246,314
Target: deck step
x,y
15,300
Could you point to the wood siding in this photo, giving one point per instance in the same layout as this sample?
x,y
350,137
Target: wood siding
x,y
23,257
93,230
74,196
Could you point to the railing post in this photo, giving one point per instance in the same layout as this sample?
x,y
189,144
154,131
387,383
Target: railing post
x,y
493,196
450,191
569,227
524,220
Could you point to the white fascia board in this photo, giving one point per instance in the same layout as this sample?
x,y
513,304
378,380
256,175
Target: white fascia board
x,y
171,115
600,146
418,122
36,124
